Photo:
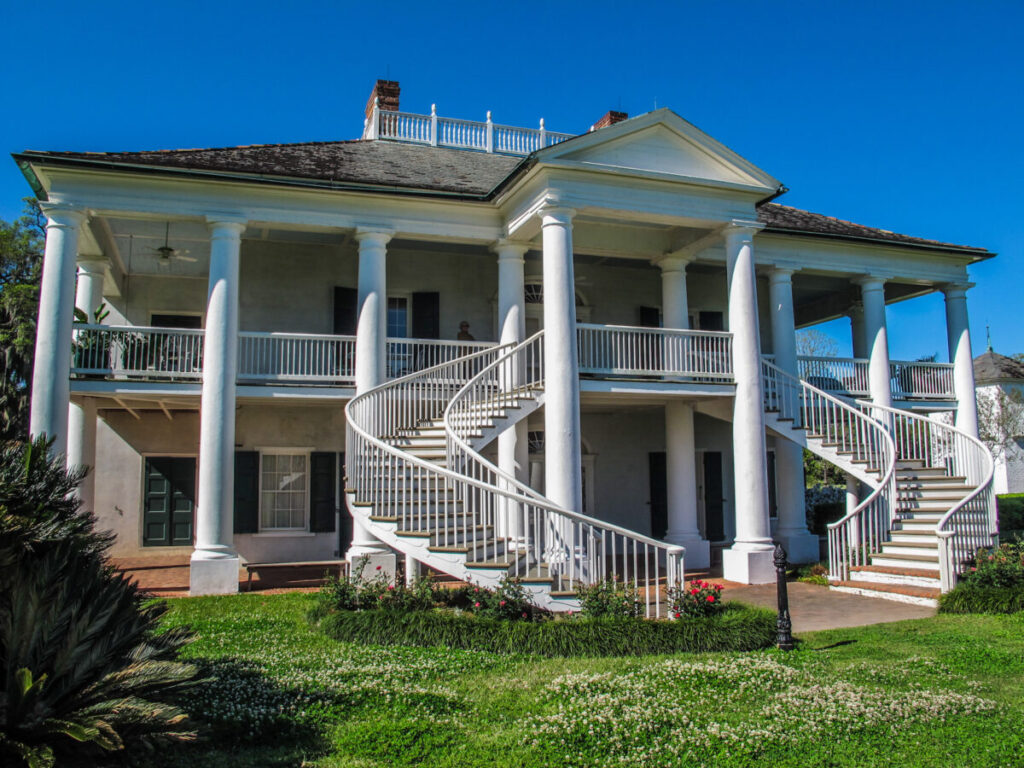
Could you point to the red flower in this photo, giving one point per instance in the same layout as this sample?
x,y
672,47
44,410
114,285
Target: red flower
x,y
711,598
378,567
502,603
524,614
676,615
719,587
694,591
390,587
476,605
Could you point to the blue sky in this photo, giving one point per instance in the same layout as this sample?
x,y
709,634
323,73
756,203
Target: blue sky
x,y
902,115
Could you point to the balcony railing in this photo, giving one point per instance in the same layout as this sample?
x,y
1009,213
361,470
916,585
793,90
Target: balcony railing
x,y
606,351
848,376
611,350
461,134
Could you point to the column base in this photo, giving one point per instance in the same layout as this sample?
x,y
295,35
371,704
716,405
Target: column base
x,y
698,550
747,566
366,563
213,575
801,546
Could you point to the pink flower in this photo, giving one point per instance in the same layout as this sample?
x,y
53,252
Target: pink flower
x,y
390,587
694,591
524,614
711,598
502,603
476,605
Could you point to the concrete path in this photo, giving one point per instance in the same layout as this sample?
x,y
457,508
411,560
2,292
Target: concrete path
x,y
815,607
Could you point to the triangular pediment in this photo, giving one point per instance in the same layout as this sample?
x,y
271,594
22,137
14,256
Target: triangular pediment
x,y
659,143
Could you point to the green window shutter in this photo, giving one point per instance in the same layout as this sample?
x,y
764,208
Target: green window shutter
x,y
323,499
247,492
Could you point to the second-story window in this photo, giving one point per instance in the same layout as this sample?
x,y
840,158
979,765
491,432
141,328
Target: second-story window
x,y
398,317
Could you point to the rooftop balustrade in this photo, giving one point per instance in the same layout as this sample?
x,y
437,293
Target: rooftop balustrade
x,y
485,136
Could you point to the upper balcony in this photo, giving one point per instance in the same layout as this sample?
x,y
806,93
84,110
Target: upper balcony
x,y
142,354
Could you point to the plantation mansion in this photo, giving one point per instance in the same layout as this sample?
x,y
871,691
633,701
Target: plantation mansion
x,y
495,350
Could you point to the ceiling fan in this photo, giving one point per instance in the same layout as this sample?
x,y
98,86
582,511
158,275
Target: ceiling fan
x,y
165,254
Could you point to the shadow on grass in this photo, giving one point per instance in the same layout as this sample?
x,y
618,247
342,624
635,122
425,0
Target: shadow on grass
x,y
838,644
246,719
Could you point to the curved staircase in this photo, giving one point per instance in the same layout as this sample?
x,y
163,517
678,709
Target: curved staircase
x,y
418,482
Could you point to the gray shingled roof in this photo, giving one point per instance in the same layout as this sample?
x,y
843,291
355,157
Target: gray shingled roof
x,y
377,163
421,169
992,366
783,218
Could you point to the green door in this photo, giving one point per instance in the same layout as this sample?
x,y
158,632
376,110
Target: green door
x,y
170,501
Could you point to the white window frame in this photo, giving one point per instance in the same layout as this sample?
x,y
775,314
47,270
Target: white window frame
x,y
285,451
408,312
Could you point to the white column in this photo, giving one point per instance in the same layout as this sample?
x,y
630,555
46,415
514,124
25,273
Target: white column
x,y
749,560
214,566
857,336
852,502
81,448
681,485
371,362
513,449
958,332
872,291
801,546
372,322
563,476
51,386
675,311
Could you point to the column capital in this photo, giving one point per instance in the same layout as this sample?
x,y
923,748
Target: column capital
x,y
956,290
742,228
229,223
552,211
509,250
672,263
373,234
782,273
92,265
870,282
64,214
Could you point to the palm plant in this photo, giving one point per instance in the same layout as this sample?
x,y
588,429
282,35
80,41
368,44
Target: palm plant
x,y
81,659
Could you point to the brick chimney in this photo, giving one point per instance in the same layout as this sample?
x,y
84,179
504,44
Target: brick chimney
x,y
611,117
387,92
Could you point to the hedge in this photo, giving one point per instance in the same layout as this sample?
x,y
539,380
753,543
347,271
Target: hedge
x,y
968,598
737,628
1010,508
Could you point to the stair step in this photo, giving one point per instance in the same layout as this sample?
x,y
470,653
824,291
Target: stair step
x,y
911,536
452,536
897,592
923,573
899,560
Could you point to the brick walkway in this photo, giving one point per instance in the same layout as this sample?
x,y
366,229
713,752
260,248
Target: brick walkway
x,y
168,576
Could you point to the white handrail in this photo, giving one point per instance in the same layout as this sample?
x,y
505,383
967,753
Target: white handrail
x,y
575,548
847,431
970,523
128,351
461,134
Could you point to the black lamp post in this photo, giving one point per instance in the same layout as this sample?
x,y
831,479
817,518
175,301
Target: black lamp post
x,y
783,624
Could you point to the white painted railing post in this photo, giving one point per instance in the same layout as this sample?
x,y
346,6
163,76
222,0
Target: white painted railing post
x,y
374,132
490,134
433,125
543,135
750,559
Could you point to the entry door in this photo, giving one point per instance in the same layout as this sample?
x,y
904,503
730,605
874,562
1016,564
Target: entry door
x,y
714,518
169,501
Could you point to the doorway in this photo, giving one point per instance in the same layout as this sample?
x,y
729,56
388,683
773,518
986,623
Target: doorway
x,y
169,501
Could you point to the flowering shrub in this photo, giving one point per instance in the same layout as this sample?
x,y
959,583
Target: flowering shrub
x,y
509,601
999,567
699,598
612,598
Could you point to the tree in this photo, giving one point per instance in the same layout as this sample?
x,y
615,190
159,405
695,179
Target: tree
x,y
815,343
21,260
1000,418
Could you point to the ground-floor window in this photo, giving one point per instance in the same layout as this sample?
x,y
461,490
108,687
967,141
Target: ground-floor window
x,y
284,491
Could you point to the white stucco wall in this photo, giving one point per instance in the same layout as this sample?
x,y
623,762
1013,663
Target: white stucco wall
x,y
123,442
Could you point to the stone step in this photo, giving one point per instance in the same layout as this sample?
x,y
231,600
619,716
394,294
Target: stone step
x,y
897,592
910,577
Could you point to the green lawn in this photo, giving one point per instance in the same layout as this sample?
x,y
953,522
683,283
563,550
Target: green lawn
x,y
947,691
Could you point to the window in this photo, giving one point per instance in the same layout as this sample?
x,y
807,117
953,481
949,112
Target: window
x,y
283,491
398,317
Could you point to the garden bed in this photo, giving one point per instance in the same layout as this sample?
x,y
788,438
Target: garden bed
x,y
736,628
